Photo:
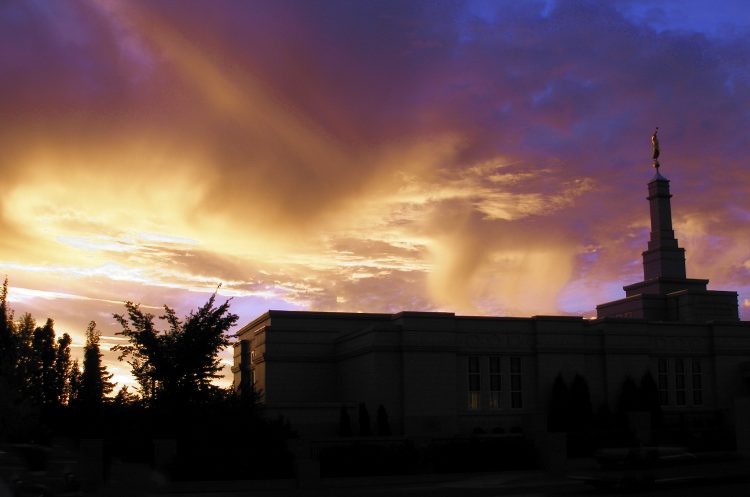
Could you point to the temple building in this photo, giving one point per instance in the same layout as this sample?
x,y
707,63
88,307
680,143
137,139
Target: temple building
x,y
439,374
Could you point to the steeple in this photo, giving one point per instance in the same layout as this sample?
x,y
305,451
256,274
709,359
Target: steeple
x,y
666,293
664,258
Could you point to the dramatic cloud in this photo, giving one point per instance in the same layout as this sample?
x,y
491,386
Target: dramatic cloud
x,y
477,157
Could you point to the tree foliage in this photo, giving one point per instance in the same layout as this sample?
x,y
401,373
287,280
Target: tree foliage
x,y
384,426
33,364
43,343
74,383
345,422
125,398
649,393
179,363
629,396
95,380
558,413
7,337
365,429
581,411
25,355
62,370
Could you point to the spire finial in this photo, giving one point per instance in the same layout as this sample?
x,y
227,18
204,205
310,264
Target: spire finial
x,y
655,143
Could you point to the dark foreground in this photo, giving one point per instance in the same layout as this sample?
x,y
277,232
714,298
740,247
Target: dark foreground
x,y
714,480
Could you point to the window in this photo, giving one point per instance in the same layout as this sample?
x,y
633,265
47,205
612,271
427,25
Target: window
x,y
516,400
697,383
679,381
663,382
496,382
475,383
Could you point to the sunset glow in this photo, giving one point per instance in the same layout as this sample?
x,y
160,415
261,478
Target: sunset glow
x,y
476,157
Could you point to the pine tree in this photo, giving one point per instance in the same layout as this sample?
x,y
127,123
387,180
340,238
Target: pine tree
x,y
629,396
581,412
74,383
8,356
95,384
62,370
558,419
124,397
649,393
345,423
365,429
43,343
384,426
26,356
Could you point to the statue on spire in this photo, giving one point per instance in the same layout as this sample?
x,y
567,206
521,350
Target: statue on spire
x,y
655,143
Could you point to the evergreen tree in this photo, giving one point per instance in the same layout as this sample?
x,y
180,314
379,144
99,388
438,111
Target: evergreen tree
x,y
649,393
384,426
365,429
62,370
124,397
649,401
26,365
558,419
18,417
176,365
74,383
8,356
345,423
95,384
43,343
629,396
581,412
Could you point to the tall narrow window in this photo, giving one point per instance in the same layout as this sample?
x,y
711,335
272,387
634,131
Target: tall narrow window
x,y
679,381
697,383
496,384
475,383
663,382
516,400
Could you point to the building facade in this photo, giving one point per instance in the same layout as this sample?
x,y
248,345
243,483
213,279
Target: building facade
x,y
438,374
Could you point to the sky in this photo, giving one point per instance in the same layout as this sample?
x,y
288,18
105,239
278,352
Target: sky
x,y
478,157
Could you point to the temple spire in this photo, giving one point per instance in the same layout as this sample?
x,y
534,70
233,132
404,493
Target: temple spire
x,y
666,293
664,258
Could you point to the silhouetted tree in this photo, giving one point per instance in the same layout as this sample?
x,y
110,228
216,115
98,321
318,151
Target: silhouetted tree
x,y
649,399
178,364
95,380
62,370
629,396
124,397
384,426
43,343
345,423
649,393
558,417
18,416
365,429
8,357
581,412
74,383
603,417
26,356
